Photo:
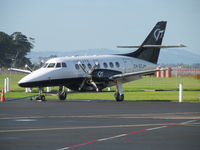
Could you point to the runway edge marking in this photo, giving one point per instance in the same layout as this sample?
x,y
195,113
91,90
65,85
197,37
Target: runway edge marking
x,y
126,134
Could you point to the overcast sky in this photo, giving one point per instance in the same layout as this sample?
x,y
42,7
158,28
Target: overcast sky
x,y
68,25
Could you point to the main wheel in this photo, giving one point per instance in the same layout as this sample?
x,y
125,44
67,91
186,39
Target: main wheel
x,y
62,95
119,97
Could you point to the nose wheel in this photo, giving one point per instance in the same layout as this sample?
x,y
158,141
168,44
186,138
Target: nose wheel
x,y
40,97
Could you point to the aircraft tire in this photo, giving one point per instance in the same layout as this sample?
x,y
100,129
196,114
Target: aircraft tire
x,y
41,97
62,96
118,97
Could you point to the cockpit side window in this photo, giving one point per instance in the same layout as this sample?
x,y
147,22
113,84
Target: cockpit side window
x,y
58,65
64,65
51,65
45,65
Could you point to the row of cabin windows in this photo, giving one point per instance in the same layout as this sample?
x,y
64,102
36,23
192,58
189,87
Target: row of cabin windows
x,y
59,65
111,64
84,66
105,65
53,65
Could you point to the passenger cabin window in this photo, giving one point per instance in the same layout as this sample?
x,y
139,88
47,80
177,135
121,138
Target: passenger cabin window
x,y
51,65
111,65
105,65
89,66
77,67
64,65
58,65
117,64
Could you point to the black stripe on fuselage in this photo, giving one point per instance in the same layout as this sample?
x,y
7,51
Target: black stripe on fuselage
x,y
52,82
71,83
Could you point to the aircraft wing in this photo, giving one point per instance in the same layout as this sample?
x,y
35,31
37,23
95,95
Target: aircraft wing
x,y
124,75
154,46
19,70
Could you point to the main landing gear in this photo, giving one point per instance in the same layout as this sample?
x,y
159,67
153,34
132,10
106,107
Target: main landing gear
x,y
62,94
119,95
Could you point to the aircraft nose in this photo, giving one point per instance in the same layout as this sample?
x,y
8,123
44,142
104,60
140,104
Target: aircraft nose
x,y
23,82
35,79
28,80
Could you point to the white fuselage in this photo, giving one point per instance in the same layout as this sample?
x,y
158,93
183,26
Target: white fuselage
x,y
63,71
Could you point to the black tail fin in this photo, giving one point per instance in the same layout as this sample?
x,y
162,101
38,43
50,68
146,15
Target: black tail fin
x,y
154,38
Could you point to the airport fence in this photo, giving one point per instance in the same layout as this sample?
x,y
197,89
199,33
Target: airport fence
x,y
169,72
186,72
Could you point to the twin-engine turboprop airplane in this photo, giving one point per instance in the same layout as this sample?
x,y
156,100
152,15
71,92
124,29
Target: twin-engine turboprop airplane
x,y
94,73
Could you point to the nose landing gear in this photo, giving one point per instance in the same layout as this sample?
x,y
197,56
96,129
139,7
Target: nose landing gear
x,y
40,96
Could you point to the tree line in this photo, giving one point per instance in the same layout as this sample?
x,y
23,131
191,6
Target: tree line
x,y
14,49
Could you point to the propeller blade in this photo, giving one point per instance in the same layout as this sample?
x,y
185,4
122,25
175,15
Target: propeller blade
x,y
82,67
93,68
89,72
82,84
29,68
94,85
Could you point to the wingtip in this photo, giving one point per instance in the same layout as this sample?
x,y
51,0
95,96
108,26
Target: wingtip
x,y
182,45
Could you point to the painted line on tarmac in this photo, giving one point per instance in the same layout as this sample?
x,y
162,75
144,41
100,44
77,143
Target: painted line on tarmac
x,y
80,127
126,134
156,128
179,115
25,120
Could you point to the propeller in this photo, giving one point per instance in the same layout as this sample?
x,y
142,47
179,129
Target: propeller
x,y
28,68
89,75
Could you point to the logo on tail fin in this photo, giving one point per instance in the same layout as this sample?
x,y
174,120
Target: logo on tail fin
x,y
158,33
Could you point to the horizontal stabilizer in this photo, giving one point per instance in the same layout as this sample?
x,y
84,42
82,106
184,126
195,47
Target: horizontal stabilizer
x,y
154,46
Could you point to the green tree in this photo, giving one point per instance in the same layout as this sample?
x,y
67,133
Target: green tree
x,y
5,49
14,48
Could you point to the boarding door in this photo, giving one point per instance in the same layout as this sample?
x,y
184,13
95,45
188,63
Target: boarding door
x,y
127,65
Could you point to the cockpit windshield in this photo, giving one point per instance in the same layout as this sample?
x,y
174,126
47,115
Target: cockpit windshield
x,y
45,65
51,65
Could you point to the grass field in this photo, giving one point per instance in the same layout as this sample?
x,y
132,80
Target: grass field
x,y
133,90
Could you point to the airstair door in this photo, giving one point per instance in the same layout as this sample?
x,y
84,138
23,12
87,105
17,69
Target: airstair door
x,y
127,65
